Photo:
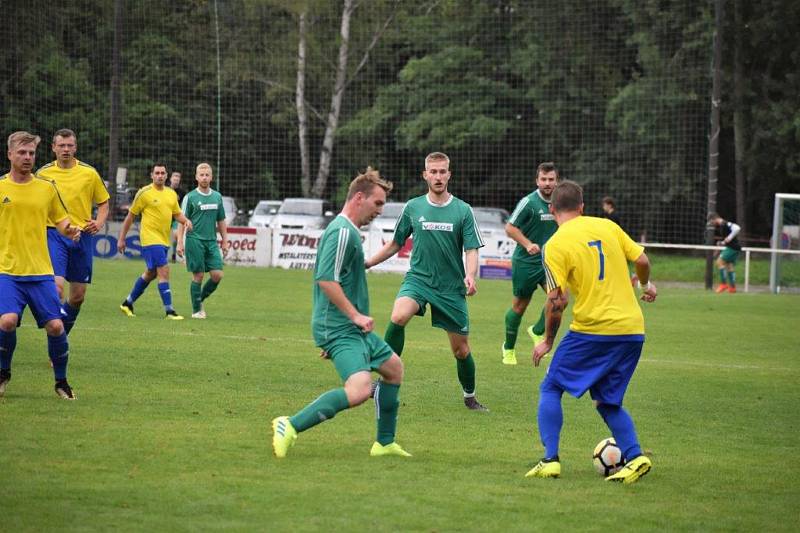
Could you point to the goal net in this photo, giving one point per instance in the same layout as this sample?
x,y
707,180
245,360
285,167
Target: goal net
x,y
785,236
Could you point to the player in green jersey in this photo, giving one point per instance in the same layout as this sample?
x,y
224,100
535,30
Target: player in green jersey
x,y
530,225
444,228
203,206
342,326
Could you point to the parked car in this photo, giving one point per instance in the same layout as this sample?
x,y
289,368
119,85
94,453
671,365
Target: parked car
x,y
264,213
388,218
123,197
303,213
491,220
233,215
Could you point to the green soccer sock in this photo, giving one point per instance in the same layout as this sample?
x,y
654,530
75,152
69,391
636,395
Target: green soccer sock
x,y
387,403
538,328
466,373
194,291
395,337
323,408
512,328
731,278
722,276
209,288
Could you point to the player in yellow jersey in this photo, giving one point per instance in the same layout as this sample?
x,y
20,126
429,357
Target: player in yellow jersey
x,y
158,206
26,275
588,256
80,187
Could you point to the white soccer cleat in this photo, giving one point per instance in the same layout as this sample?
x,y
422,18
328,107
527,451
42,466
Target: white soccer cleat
x,y
199,314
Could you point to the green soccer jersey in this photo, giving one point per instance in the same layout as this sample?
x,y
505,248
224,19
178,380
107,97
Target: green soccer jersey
x,y
204,210
533,218
440,235
340,258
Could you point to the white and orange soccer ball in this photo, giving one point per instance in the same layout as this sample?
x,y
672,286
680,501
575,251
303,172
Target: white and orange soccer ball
x,y
607,457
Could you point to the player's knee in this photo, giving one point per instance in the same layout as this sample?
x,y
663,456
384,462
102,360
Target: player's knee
x,y
54,328
76,300
197,277
216,276
393,371
461,351
8,322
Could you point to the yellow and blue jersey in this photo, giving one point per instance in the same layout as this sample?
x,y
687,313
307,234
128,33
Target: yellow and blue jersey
x,y
80,187
157,208
589,257
25,209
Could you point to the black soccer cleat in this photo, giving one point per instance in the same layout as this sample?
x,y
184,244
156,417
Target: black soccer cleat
x,y
64,391
472,403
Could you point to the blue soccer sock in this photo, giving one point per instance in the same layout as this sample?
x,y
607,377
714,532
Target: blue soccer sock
x,y
732,278
138,289
166,295
621,425
551,418
8,342
58,350
70,317
722,276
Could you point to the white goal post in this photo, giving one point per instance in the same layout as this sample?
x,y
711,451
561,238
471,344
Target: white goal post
x,y
777,233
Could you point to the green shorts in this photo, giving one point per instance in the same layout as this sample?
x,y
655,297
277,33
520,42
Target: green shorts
x,y
448,309
357,352
729,255
202,256
525,277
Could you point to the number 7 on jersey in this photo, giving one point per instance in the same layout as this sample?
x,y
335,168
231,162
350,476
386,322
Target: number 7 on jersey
x,y
599,246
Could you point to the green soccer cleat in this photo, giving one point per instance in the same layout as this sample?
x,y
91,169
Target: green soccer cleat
x,y
392,448
283,436
546,468
509,355
537,339
632,471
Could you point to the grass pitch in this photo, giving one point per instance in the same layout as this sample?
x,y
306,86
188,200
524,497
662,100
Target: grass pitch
x,y
171,429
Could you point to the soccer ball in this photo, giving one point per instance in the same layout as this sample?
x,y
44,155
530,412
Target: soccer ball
x,y
607,457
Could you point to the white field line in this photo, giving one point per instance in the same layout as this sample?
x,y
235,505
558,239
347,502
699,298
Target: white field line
x,y
309,341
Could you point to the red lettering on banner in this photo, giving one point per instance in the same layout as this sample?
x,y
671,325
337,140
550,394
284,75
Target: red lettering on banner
x,y
303,241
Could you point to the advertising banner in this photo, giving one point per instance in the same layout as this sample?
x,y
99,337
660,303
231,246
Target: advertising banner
x,y
495,257
400,262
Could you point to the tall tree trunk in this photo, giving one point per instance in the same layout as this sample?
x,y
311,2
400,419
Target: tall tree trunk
x,y
326,154
739,141
713,138
302,113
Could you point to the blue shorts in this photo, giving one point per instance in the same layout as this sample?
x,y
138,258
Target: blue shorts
x,y
601,364
71,260
155,256
40,294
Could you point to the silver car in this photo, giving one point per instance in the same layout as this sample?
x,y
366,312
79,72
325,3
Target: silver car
x,y
264,213
303,213
231,211
491,220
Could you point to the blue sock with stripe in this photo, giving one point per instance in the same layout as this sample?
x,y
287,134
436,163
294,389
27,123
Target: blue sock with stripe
x,y
8,342
138,289
70,317
166,295
58,350
621,425
551,418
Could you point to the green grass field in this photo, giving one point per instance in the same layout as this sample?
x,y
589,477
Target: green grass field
x,y
171,429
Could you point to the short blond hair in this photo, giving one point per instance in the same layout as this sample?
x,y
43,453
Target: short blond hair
x,y
22,137
366,182
203,165
436,156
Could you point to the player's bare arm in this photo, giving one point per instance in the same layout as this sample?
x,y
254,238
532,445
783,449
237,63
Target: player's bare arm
x,y
179,240
554,307
516,234
472,272
68,230
642,265
123,232
180,217
222,228
92,226
336,295
388,250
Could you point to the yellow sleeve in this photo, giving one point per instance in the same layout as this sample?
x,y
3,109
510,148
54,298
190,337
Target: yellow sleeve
x,y
57,211
555,267
176,208
100,193
138,203
629,246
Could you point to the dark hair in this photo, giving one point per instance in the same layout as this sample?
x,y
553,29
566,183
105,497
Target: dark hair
x,y
567,196
610,201
157,164
547,167
64,132
366,182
